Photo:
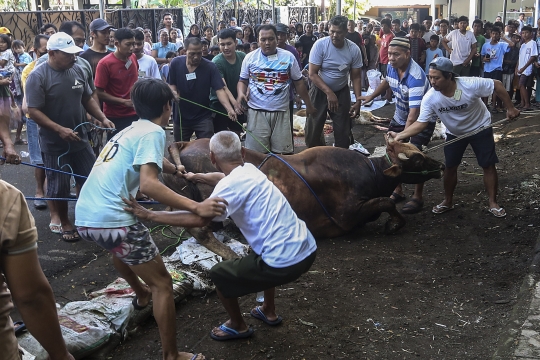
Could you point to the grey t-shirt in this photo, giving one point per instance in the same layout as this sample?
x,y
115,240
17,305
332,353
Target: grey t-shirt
x,y
58,95
83,63
335,63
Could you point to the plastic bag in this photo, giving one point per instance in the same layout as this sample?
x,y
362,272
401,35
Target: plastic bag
x,y
374,79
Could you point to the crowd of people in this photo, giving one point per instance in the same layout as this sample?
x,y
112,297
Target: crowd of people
x,y
122,87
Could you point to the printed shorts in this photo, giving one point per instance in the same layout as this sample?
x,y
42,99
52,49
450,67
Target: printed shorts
x,y
133,244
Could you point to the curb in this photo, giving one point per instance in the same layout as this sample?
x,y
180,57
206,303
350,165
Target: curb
x,y
520,338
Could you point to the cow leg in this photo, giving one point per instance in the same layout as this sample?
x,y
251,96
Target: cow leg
x,y
373,208
206,238
175,153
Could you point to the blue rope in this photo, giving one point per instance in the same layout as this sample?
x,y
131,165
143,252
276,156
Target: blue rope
x,y
71,199
46,168
305,182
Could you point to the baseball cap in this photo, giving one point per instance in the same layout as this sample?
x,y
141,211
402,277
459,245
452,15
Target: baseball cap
x,y
63,42
99,24
442,64
4,31
282,28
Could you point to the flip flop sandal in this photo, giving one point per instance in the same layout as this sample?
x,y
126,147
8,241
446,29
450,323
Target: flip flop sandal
x,y
441,209
70,236
499,213
397,198
231,333
20,327
55,228
258,314
413,206
136,305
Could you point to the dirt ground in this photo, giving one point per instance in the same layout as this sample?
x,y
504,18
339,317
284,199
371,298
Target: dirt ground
x,y
443,287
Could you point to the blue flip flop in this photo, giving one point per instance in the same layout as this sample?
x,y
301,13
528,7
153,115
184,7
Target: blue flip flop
x,y
258,314
20,327
231,333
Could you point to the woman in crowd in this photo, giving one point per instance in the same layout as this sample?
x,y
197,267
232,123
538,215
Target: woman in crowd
x,y
194,31
248,36
208,32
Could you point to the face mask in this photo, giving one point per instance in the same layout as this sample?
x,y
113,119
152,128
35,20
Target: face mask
x,y
436,28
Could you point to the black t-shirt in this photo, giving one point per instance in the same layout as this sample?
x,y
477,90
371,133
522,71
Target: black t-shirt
x,y
400,34
307,42
355,38
209,57
93,57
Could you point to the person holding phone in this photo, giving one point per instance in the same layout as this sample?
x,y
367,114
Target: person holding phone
x,y
492,56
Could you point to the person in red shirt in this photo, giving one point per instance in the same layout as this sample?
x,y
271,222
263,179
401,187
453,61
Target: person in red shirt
x,y
115,75
386,38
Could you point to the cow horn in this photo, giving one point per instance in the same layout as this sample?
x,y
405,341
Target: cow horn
x,y
402,156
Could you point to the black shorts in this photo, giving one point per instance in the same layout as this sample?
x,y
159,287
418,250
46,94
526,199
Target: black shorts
x,y
250,274
81,162
475,71
418,140
526,80
495,75
482,144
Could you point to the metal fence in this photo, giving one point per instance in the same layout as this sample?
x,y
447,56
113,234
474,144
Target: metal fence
x,y
24,25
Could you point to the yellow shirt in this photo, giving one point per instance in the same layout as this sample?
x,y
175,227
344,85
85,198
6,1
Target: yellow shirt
x,y
27,70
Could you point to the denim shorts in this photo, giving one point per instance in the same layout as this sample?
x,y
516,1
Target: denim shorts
x,y
34,148
132,244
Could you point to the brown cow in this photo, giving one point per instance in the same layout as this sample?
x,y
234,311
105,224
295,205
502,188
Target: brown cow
x,y
354,189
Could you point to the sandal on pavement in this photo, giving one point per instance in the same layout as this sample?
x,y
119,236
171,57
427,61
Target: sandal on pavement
x,y
258,314
441,209
397,198
40,204
70,235
55,228
413,206
20,327
500,213
231,333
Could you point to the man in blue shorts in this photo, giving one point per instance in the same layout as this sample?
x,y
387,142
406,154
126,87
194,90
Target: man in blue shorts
x,y
457,101
133,158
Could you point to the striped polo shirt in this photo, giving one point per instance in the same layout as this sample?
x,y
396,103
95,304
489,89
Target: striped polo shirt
x,y
408,91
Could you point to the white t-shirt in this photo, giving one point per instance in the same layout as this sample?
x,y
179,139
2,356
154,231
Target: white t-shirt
x,y
265,217
116,174
427,36
335,63
463,112
270,78
525,52
148,67
461,45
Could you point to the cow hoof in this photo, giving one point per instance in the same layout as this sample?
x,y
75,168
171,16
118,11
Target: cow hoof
x,y
392,226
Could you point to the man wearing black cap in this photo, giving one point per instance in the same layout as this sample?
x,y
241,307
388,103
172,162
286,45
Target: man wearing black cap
x,y
99,30
409,84
457,101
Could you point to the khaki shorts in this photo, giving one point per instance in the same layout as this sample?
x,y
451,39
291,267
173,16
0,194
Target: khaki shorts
x,y
272,129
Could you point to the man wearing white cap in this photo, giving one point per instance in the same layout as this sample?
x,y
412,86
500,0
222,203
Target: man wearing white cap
x,y
56,91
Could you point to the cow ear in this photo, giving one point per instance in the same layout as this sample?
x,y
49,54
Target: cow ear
x,y
393,171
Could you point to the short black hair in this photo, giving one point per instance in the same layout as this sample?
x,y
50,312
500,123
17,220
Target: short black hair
x,y
247,46
165,14
478,21
499,24
463,18
527,28
298,44
139,35
67,27
205,42
386,22
414,26
194,40
37,40
170,54
227,33
17,43
123,34
496,29
7,40
396,21
339,21
267,27
47,26
214,48
434,37
148,96
423,28
207,27
444,21
389,15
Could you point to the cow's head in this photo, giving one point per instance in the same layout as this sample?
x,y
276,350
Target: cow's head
x,y
410,164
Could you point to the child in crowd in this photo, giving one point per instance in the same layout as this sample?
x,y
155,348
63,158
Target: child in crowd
x,y
300,49
433,52
246,48
509,65
528,54
214,50
7,70
181,51
21,60
492,54
254,46
165,68
205,51
418,45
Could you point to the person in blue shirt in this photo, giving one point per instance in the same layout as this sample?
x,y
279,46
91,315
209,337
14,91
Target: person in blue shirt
x,y
433,51
492,56
160,49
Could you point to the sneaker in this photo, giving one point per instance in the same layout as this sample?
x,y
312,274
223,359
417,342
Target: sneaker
x,y
358,147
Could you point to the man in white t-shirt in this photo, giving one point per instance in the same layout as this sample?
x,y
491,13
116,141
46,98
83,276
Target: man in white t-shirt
x,y
148,66
463,47
268,72
283,247
331,61
457,101
133,158
528,53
